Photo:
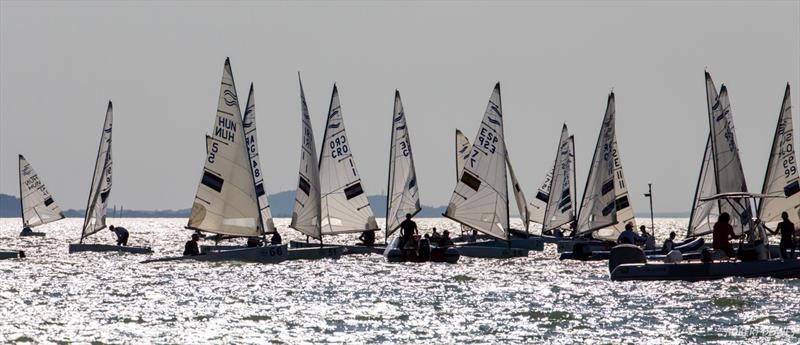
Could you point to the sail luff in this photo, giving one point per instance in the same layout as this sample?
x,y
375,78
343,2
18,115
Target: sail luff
x,y
307,213
251,142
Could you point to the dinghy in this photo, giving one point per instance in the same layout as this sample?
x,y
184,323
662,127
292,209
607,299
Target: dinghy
x,y
11,254
554,202
329,199
403,197
480,198
35,201
707,271
100,189
605,207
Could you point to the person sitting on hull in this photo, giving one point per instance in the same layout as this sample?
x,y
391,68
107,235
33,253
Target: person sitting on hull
x,y
628,236
276,239
121,233
649,240
669,244
26,231
786,229
445,241
408,228
191,248
722,235
367,238
435,235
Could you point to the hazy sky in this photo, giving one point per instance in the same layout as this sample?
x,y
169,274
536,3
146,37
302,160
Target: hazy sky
x,y
161,64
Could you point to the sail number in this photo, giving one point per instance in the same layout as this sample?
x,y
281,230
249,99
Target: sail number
x,y
404,148
339,146
252,150
787,151
212,153
487,140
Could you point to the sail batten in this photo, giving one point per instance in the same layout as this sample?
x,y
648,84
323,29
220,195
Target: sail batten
x,y
781,180
251,141
480,198
36,203
307,213
95,218
226,202
344,204
403,192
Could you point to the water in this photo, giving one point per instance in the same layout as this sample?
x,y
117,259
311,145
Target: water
x,y
52,296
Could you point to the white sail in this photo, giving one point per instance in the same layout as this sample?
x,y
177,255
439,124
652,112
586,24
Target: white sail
x,y
704,213
480,199
95,218
251,141
560,210
38,206
226,202
598,208
781,180
729,173
307,212
462,152
623,204
519,196
345,207
403,195
538,206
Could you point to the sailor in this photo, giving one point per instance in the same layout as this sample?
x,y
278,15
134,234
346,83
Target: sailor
x,y
276,238
253,242
722,234
408,228
435,235
628,236
122,234
557,233
649,240
669,244
367,238
473,237
786,228
445,241
26,231
191,248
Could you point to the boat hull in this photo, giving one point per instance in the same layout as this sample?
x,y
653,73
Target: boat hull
x,y
32,234
707,271
393,253
78,247
490,252
346,249
689,249
268,254
11,254
531,243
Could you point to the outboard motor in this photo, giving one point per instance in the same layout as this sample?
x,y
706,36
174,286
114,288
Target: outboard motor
x,y
625,254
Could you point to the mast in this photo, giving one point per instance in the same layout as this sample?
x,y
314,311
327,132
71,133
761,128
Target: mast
x,y
391,170
324,138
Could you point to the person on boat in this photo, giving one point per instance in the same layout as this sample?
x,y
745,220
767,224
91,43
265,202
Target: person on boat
x,y
649,240
786,229
26,231
122,234
253,242
445,241
722,235
473,237
408,228
669,244
557,233
435,235
276,238
628,236
367,238
191,248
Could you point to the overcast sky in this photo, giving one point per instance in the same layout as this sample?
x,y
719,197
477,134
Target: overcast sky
x,y
161,64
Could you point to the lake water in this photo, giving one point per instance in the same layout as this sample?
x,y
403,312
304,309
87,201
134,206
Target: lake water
x,y
53,296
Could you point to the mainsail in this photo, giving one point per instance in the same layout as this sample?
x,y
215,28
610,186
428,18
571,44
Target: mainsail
x,y
403,195
560,208
37,205
598,208
539,204
781,181
480,198
95,218
250,136
307,214
462,152
623,204
345,207
226,202
704,213
729,174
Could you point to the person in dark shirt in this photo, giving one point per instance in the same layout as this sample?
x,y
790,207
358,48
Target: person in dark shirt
x,y
276,238
367,238
669,244
445,241
722,235
628,236
191,247
26,231
408,228
121,233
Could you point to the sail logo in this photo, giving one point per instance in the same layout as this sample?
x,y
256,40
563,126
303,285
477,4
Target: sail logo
x,y
495,108
26,170
493,120
334,112
400,128
230,98
334,125
399,117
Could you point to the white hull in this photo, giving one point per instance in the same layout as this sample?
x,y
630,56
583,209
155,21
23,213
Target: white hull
x,y
77,247
11,254
492,252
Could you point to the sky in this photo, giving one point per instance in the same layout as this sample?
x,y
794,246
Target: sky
x,y
161,64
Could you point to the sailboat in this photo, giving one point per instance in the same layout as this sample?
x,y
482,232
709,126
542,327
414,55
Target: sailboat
x,y
96,207
36,203
403,195
480,198
605,207
554,205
